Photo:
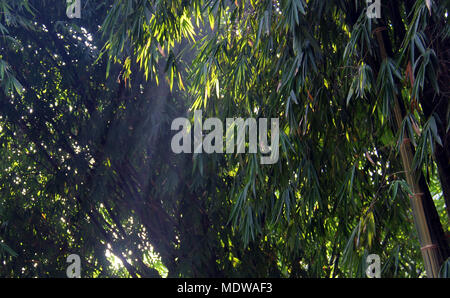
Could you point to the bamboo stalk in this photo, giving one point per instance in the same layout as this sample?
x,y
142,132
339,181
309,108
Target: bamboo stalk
x,y
430,251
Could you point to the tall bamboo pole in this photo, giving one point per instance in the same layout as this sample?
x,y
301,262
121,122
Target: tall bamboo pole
x,y
431,253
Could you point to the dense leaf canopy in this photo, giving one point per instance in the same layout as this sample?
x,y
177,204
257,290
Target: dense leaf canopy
x,y
86,165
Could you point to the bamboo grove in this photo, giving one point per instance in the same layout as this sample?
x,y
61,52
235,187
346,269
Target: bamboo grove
x,y
86,107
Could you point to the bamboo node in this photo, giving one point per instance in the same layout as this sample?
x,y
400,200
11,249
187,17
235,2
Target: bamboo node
x,y
416,194
429,246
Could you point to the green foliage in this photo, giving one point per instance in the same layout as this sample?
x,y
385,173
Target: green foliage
x,y
85,114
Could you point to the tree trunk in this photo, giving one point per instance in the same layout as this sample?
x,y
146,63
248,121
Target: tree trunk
x,y
429,229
